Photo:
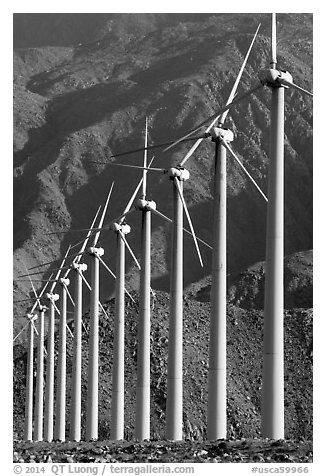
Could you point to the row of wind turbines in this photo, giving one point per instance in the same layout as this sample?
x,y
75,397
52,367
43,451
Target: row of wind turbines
x,y
272,422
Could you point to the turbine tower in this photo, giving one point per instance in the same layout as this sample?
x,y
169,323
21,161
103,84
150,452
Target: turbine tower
x,y
272,424
142,426
49,388
75,405
92,374
28,425
60,403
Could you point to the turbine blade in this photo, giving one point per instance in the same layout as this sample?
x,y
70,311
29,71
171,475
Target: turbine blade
x,y
36,331
84,279
131,201
90,288
145,162
104,310
176,181
227,146
273,42
129,166
213,116
295,86
106,267
237,81
149,148
34,291
20,332
123,216
69,295
48,262
129,249
56,308
160,214
37,302
34,307
68,328
59,270
45,286
102,217
184,229
82,249
24,300
112,274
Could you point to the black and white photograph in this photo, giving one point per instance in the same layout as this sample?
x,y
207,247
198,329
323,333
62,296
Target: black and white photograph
x,y
162,241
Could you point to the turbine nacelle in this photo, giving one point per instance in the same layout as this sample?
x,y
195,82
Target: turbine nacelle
x,y
52,297
92,250
145,205
31,316
42,308
275,77
180,173
79,267
121,227
64,281
221,133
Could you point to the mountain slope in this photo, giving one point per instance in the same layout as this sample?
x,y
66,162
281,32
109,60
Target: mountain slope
x,y
82,94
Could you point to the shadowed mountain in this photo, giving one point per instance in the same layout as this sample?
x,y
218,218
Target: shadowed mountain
x,y
83,84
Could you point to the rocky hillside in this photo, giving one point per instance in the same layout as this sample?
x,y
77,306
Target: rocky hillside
x,y
83,85
244,360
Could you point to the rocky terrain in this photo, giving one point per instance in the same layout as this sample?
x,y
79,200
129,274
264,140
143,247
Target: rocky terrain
x,y
244,339
83,85
160,452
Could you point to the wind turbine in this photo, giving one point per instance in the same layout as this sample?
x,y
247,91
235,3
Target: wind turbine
x,y
142,425
216,410
272,424
28,426
92,374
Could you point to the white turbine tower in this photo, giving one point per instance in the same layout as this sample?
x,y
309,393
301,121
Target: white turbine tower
x,y
216,412
92,375
49,388
272,424
142,424
28,426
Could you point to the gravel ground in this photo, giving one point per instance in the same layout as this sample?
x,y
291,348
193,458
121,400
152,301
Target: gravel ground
x,y
220,451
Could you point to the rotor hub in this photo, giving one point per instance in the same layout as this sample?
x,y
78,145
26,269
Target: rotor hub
x,y
79,266
123,227
275,78
64,281
180,173
32,317
145,205
221,133
92,250
52,297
